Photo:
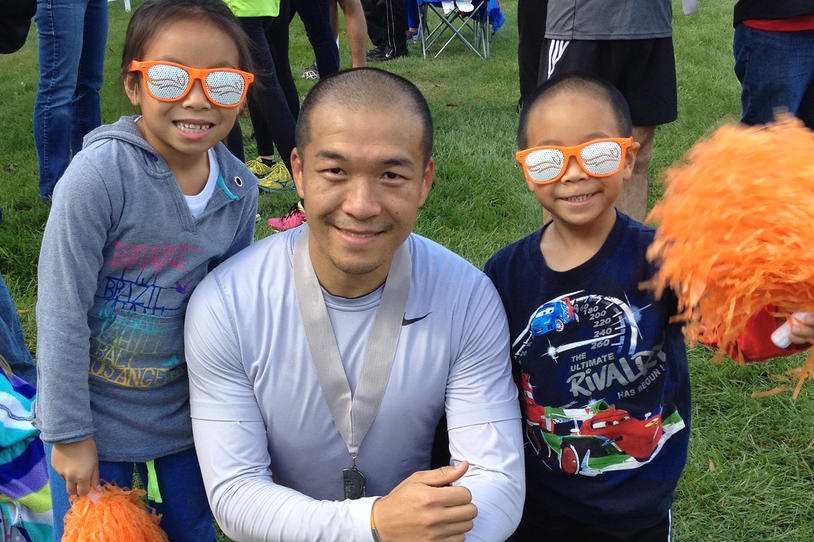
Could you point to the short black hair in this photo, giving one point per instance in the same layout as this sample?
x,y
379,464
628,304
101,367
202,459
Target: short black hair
x,y
362,88
577,82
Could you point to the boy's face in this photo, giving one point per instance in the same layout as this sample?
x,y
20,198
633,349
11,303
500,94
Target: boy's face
x,y
568,119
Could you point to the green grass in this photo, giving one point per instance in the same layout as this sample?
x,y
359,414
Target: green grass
x,y
749,474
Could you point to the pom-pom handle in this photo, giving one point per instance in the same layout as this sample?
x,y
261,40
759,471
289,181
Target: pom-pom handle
x,y
781,337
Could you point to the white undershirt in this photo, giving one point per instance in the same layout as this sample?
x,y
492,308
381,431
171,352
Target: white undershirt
x,y
197,203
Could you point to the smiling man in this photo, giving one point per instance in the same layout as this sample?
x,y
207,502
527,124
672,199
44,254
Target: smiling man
x,y
321,359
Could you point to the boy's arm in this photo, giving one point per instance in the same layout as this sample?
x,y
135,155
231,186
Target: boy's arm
x,y
755,343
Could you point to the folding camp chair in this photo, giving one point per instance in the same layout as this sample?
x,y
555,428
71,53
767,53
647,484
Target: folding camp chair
x,y
471,28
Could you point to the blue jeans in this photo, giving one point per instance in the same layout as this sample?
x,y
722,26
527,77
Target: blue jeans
x,y
12,343
185,512
72,39
775,70
315,16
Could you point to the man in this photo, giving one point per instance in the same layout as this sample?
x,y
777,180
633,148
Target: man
x,y
280,407
630,45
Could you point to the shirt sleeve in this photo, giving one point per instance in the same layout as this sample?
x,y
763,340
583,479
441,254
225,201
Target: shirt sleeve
x,y
755,343
231,442
71,257
483,418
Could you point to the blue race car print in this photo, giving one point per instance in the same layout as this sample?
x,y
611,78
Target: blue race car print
x,y
552,316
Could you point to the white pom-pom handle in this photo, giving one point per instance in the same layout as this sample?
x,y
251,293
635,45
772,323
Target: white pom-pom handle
x,y
781,337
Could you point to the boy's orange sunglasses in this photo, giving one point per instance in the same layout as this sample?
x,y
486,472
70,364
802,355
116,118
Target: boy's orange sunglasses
x,y
597,158
170,82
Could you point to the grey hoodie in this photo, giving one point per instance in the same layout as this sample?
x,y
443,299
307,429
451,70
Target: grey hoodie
x,y
120,256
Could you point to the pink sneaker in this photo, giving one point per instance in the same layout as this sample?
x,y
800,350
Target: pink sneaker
x,y
293,218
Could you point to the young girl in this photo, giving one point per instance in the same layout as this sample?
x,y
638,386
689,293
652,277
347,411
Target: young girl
x,y
150,205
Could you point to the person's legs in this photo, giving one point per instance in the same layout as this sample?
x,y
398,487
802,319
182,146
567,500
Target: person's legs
x,y
271,118
186,516
356,28
277,38
806,110
775,71
386,25
375,21
59,30
531,16
633,199
234,141
316,19
12,343
86,101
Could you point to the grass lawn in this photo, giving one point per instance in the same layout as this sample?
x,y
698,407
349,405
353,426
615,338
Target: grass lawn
x,y
749,473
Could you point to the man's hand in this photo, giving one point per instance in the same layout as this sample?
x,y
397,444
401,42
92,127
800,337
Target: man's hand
x,y
425,507
77,464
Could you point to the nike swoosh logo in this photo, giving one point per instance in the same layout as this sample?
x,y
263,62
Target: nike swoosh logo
x,y
407,321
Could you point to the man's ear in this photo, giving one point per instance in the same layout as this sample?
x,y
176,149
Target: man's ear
x,y
426,180
131,88
630,159
296,171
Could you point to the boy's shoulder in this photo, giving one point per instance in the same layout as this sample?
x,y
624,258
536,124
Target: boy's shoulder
x,y
519,250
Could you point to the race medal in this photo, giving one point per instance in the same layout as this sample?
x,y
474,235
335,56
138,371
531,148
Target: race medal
x,y
354,482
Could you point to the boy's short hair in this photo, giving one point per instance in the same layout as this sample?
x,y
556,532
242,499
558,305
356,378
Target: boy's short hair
x,y
577,82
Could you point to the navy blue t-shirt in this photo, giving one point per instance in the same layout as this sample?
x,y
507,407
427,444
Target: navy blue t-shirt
x,y
603,380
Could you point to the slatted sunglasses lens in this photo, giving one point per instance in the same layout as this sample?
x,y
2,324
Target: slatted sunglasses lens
x,y
544,165
167,82
225,88
602,158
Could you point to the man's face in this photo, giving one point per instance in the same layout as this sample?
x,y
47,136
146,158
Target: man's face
x,y
362,178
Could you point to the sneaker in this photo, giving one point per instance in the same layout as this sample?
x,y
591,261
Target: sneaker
x,y
273,178
464,5
385,53
311,72
293,218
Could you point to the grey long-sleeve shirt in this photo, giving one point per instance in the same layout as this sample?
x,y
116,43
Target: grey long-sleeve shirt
x,y
121,255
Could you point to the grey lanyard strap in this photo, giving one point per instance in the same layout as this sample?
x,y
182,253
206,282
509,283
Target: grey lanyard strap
x,y
353,414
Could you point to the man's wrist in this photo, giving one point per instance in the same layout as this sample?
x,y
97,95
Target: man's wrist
x,y
373,531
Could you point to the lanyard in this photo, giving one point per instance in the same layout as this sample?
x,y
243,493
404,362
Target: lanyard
x,y
353,414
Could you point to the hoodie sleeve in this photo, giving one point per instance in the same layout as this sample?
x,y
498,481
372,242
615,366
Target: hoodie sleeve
x,y
71,258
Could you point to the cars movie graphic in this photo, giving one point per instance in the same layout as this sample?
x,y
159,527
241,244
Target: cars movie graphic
x,y
584,353
595,438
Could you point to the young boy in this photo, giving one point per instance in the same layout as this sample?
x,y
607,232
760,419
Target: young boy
x,y
602,372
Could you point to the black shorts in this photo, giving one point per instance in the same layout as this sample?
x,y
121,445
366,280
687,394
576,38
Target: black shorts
x,y
644,71
542,525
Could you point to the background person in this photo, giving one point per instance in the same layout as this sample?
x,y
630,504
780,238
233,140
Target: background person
x,y
72,37
774,48
630,45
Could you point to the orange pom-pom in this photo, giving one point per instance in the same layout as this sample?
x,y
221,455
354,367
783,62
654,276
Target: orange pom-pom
x,y
735,228
113,514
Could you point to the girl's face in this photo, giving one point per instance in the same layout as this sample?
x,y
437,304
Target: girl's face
x,y
183,131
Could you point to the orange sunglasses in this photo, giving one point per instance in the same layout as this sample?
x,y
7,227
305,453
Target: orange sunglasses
x,y
597,158
170,82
